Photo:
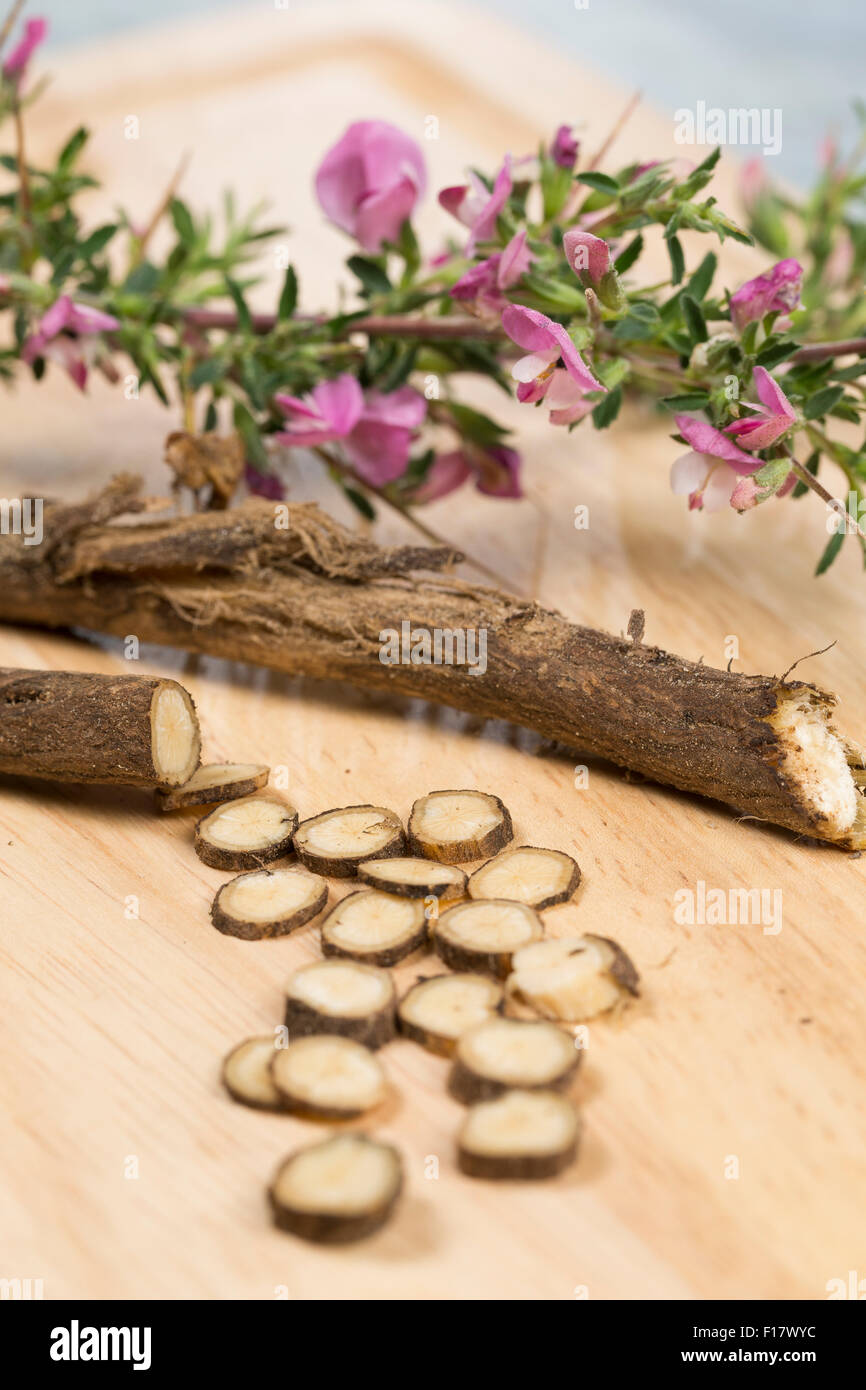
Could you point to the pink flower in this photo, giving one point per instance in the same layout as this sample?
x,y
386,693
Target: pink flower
x,y
376,431
476,207
35,31
369,182
776,292
59,335
564,149
589,256
545,343
263,484
710,473
775,415
496,472
483,283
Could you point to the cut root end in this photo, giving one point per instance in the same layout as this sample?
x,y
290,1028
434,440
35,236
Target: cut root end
x,y
176,742
247,833
340,1190
819,767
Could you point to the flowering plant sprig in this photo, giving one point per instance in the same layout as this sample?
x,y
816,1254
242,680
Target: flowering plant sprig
x,y
538,290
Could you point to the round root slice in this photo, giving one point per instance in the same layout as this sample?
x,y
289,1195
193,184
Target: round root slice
x,y
343,997
268,902
483,935
538,877
246,1074
455,826
340,1190
374,927
215,782
329,1077
336,842
505,1054
247,833
176,741
573,978
436,1012
413,878
521,1135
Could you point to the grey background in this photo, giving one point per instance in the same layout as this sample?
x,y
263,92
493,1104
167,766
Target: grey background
x,y
805,58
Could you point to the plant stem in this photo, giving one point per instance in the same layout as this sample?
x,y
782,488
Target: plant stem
x,y
379,326
9,21
819,352
833,503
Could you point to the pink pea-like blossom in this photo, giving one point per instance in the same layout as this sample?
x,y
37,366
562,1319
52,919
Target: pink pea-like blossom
x,y
775,292
496,472
369,182
546,343
565,148
62,334
35,31
375,430
710,473
589,256
775,415
477,207
483,284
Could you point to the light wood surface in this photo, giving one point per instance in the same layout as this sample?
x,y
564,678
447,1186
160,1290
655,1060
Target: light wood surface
x,y
745,1045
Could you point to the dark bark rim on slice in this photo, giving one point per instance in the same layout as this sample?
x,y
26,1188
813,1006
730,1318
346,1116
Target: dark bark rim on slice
x,y
245,930
236,1094
222,857
470,1086
372,1030
345,866
334,1228
462,958
384,956
462,851
440,1043
413,890
175,798
622,967
518,1167
553,899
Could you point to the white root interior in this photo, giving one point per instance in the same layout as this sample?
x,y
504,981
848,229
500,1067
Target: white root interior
x,y
247,1071
517,1053
446,817
223,775
262,896
418,872
342,989
489,926
567,979
253,822
342,834
174,731
448,1005
348,1175
370,920
328,1072
815,762
527,875
520,1123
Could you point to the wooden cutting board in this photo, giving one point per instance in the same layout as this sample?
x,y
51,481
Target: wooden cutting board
x,y
724,1116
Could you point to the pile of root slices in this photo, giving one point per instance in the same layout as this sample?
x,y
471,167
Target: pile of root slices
x,y
497,1014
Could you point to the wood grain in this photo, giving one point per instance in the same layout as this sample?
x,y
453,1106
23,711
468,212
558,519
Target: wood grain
x,y
745,1044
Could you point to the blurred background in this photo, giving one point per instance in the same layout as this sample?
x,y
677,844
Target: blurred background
x,y
806,60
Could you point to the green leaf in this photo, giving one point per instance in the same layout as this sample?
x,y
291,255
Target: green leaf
x,y
626,258
702,279
475,425
245,319
834,545
183,223
607,409
601,183
678,260
371,275
362,503
694,319
97,241
142,280
822,401
251,436
694,400
776,352
205,373
289,296
72,149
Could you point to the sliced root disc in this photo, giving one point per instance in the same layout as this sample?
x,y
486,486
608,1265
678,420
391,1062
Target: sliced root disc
x,y
484,935
538,877
413,878
453,827
247,833
336,842
573,978
438,1011
327,1076
374,927
246,1074
511,1054
175,736
215,782
342,997
340,1190
268,902
521,1135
